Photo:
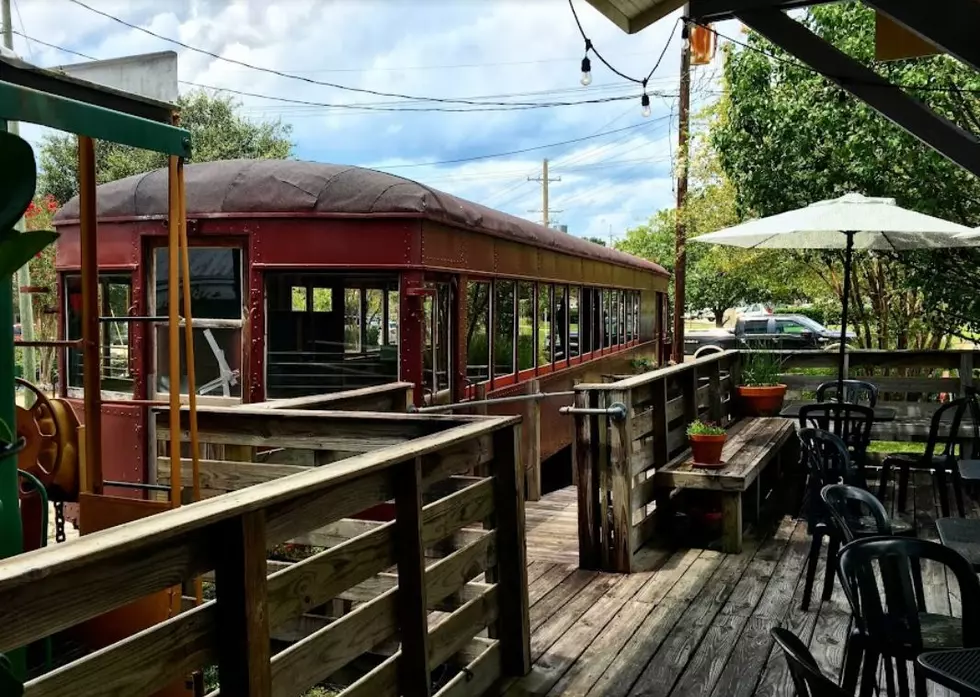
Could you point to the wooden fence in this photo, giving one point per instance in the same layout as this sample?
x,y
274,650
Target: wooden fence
x,y
437,609
616,454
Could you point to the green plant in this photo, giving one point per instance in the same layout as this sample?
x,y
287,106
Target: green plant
x,y
642,364
704,428
761,366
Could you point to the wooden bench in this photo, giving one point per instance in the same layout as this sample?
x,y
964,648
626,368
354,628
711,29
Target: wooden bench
x,y
752,444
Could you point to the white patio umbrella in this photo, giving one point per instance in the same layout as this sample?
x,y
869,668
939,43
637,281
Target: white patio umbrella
x,y
850,222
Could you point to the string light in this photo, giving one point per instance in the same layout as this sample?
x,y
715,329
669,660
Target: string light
x,y
586,78
587,65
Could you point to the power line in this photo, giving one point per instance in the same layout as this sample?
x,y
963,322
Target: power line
x,y
522,150
478,106
292,76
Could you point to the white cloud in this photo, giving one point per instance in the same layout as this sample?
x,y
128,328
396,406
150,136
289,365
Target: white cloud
x,y
439,48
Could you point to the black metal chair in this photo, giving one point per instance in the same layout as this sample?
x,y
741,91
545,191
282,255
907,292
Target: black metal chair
x,y
855,392
856,513
827,462
940,455
891,620
803,669
851,422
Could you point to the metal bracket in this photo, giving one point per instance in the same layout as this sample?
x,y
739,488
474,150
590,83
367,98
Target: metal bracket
x,y
616,411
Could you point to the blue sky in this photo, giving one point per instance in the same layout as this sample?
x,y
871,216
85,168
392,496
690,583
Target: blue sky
x,y
501,50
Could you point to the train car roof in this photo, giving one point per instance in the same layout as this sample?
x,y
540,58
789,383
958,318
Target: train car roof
x,y
251,188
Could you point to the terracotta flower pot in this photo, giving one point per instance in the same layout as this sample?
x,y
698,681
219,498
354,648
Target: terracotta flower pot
x,y
761,401
706,450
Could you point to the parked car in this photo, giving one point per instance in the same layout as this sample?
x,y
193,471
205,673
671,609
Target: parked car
x,y
755,309
777,331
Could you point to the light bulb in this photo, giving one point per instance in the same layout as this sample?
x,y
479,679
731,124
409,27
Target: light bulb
x,y
586,72
645,106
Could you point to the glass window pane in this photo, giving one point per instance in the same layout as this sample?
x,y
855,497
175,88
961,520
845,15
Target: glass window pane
x,y
374,299
216,282
561,324
621,296
392,319
503,328
322,300
574,333
544,324
114,298
442,335
525,326
352,320
477,334
629,315
606,319
298,294
614,317
217,361
428,378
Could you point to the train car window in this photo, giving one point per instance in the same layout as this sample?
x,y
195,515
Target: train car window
x,y
606,319
544,323
299,298
442,337
585,322
216,306
614,317
621,295
560,328
322,300
115,299
636,316
574,333
503,328
525,325
477,332
629,315
428,347
338,341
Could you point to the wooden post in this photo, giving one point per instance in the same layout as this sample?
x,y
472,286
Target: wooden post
x,y
714,392
242,609
532,443
479,394
584,454
602,458
575,469
514,630
621,473
413,614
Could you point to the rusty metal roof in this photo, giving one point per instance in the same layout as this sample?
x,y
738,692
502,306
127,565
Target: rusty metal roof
x,y
245,188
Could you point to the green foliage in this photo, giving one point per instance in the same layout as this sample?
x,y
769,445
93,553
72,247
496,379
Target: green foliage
x,y
704,428
787,137
596,240
717,277
643,364
218,132
761,368
818,312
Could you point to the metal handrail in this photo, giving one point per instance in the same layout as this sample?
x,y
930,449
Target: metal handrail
x,y
533,397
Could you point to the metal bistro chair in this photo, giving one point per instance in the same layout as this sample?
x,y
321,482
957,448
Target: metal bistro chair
x,y
855,392
892,620
803,668
939,456
851,422
827,462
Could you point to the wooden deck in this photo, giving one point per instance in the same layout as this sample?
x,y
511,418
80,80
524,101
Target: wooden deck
x,y
698,624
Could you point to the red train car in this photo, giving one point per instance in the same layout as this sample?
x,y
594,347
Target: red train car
x,y
310,278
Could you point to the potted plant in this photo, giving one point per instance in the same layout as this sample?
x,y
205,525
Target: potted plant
x,y
760,391
707,440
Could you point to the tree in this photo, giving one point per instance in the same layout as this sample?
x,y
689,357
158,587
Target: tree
x,y
218,132
717,277
787,137
597,240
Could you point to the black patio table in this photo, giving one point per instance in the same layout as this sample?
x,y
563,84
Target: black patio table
x,y
882,414
957,669
962,535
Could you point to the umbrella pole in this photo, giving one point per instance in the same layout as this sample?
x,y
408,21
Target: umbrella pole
x,y
849,252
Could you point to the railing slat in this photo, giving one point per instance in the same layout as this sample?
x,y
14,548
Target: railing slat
x,y
243,617
413,623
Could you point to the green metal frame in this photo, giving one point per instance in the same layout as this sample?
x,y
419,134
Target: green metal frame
x,y
25,104
20,103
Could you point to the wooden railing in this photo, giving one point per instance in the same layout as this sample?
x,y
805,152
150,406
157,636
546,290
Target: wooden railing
x,y
616,454
437,609
394,396
908,381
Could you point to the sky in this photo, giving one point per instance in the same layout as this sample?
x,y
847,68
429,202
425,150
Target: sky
x,y
617,174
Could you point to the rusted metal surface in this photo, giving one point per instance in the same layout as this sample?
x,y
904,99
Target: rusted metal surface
x,y
255,188
124,447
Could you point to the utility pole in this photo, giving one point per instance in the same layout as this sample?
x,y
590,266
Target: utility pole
x,y
680,258
545,211
24,273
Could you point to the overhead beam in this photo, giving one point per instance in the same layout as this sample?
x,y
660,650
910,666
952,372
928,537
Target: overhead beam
x,y
707,11
610,12
890,101
952,27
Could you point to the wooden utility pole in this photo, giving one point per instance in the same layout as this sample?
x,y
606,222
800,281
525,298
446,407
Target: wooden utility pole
x,y
680,259
545,180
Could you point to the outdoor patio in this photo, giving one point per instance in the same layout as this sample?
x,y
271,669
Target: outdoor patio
x,y
698,623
